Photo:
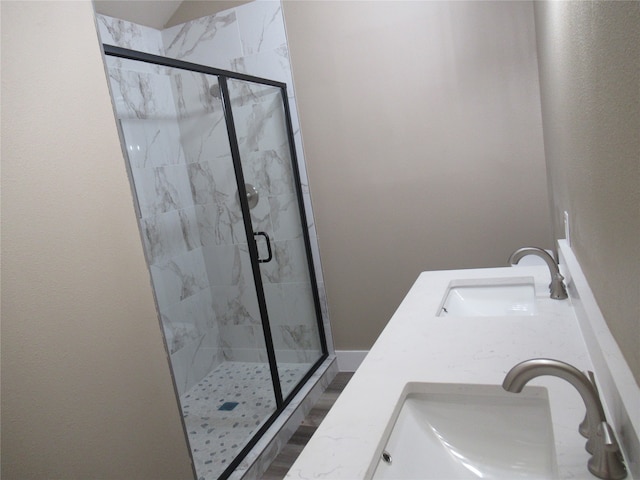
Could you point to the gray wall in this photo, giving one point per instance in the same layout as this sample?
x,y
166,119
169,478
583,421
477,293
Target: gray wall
x,y
423,139
86,388
590,82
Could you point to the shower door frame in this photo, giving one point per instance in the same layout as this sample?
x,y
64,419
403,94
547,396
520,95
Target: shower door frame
x,y
223,75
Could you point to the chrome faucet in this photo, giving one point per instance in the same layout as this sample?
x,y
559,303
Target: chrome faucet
x,y
556,287
606,460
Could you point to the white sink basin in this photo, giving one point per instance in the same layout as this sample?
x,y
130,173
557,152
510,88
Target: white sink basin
x,y
455,431
489,297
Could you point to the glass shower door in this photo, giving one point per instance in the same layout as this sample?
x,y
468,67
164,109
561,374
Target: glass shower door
x,y
277,218
211,158
173,125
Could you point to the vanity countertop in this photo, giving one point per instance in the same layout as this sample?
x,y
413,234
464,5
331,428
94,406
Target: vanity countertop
x,y
418,346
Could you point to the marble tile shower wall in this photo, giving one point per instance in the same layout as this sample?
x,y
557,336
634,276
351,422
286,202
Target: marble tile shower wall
x,y
199,218
251,39
222,234
260,126
168,216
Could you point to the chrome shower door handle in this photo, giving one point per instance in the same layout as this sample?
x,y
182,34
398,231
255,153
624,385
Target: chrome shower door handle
x,y
269,252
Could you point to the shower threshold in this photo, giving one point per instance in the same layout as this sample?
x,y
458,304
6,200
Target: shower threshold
x,y
227,407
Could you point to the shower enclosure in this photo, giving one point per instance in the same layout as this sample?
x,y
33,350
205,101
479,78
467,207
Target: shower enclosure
x,y
216,182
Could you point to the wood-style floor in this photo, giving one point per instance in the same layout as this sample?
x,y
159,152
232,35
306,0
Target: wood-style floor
x,y
289,453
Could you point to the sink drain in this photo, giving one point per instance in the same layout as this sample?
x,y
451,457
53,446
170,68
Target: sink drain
x,y
386,457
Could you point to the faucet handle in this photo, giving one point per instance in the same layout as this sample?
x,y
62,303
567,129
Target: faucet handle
x,y
609,441
607,462
557,287
584,425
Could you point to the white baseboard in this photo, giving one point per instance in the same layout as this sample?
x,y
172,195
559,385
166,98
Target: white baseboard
x,y
350,360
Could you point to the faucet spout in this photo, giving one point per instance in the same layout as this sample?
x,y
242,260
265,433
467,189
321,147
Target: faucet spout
x,y
556,287
525,371
606,461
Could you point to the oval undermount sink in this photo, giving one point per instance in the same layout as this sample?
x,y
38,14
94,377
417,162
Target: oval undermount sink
x,y
492,297
456,431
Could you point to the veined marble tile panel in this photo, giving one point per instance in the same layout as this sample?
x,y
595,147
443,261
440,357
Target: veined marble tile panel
x,y
203,182
285,355
162,189
221,223
269,171
121,33
246,355
302,170
322,293
212,40
170,234
299,304
236,305
137,67
178,279
298,357
285,216
324,307
301,341
214,188
293,320
243,343
261,26
190,320
152,142
315,255
311,224
260,123
274,298
244,93
261,218
295,123
297,140
209,188
140,94
289,263
192,93
271,64
204,137
192,363
178,333
273,126
228,264
290,303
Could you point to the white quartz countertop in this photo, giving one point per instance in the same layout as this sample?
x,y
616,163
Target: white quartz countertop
x,y
418,346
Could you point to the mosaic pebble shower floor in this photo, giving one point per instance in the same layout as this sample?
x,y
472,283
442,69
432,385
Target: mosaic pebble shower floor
x,y
217,428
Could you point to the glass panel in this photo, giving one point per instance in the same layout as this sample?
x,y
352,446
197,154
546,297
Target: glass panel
x,y
173,126
259,119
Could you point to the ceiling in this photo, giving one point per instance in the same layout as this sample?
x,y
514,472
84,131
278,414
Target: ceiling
x,y
160,14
